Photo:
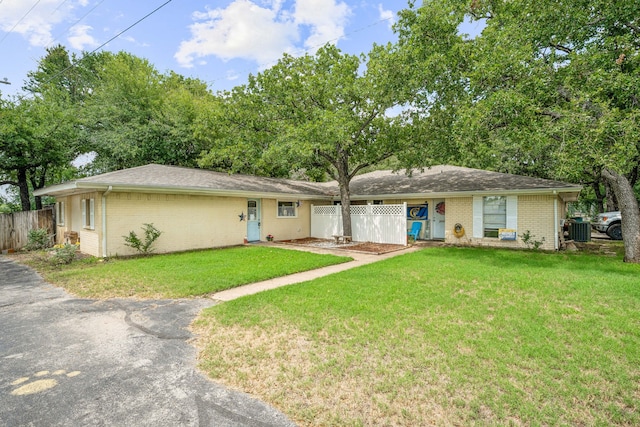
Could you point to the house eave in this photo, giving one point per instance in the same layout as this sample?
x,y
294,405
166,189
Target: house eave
x,y
79,187
567,194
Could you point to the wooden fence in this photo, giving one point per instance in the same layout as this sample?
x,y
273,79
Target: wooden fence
x,y
15,227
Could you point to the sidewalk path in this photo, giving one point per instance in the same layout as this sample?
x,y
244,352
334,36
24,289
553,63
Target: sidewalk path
x,y
359,259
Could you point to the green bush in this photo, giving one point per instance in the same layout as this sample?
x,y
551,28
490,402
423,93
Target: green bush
x,y
38,239
530,240
63,254
143,245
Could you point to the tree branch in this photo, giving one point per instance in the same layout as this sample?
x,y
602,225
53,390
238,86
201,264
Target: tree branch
x,y
560,47
368,121
358,168
554,115
632,26
329,159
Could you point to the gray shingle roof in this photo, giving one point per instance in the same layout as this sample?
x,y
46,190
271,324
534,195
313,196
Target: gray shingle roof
x,y
179,177
448,179
437,179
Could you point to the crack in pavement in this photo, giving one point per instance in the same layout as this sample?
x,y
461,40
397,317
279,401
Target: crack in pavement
x,y
145,330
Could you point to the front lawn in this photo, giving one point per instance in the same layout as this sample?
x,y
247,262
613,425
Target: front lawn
x,y
181,275
444,336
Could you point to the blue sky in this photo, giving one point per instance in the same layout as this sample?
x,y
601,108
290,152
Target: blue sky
x,y
219,42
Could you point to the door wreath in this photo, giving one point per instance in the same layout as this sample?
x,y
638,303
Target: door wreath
x,y
440,208
458,230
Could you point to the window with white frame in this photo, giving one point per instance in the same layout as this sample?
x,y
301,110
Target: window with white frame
x,y
60,213
287,209
494,215
87,206
491,213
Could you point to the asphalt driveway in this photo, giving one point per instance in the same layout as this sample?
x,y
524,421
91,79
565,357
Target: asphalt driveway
x,y
70,362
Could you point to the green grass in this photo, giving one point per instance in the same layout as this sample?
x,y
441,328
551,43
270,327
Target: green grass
x,y
445,336
182,274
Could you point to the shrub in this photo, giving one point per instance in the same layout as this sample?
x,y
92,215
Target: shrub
x,y
143,246
38,239
529,240
63,254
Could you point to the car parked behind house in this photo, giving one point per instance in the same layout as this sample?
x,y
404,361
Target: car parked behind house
x,y
609,223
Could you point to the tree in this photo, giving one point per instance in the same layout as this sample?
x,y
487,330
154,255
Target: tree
x,y
136,115
68,75
40,135
549,89
313,115
34,142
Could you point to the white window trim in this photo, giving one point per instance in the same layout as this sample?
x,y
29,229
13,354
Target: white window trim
x,y
88,223
293,204
60,213
478,222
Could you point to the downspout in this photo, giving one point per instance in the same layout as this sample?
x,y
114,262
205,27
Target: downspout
x,y
555,220
104,221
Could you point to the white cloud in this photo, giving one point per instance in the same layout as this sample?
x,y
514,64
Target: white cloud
x,y
386,14
262,32
242,30
80,37
35,24
326,18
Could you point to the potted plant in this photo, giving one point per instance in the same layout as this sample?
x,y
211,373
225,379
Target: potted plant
x,y
269,238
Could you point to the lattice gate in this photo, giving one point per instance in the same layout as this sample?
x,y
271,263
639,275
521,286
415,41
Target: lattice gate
x,y
369,223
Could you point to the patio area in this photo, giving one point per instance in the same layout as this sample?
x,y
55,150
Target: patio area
x,y
366,247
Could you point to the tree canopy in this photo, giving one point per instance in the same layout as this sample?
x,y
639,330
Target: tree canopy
x,y
136,115
315,115
117,107
547,89
36,142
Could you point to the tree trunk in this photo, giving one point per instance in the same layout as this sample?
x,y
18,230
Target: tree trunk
x,y
345,202
37,184
612,200
23,185
345,194
629,211
599,197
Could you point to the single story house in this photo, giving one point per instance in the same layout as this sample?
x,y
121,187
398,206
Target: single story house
x,y
196,208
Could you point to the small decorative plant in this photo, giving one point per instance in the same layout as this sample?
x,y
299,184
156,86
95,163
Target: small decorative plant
x,y
143,245
269,238
63,254
529,240
38,239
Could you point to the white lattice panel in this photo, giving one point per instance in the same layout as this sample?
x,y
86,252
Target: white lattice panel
x,y
369,223
388,210
359,210
325,210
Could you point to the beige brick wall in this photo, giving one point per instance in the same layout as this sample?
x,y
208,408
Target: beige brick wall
x,y
186,221
90,242
194,222
286,228
459,210
89,239
197,222
535,214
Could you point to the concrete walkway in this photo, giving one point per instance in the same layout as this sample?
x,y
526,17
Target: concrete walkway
x,y
359,259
